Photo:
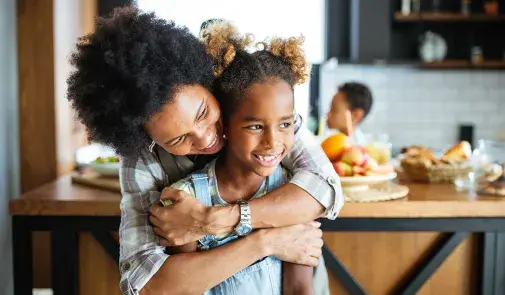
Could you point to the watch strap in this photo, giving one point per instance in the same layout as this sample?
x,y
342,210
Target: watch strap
x,y
245,212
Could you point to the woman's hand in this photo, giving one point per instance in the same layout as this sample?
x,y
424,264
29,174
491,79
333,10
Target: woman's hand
x,y
300,244
183,222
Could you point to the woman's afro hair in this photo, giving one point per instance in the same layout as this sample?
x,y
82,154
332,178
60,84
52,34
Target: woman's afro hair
x,y
127,70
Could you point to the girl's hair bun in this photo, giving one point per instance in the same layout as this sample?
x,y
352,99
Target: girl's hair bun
x,y
222,41
291,51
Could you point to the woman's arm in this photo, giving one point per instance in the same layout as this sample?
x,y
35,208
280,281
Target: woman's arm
x,y
144,264
314,191
197,272
140,251
144,261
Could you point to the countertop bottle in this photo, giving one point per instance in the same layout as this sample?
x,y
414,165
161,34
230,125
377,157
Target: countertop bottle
x,y
477,56
405,7
466,6
416,6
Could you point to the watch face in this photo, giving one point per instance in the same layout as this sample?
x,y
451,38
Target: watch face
x,y
243,229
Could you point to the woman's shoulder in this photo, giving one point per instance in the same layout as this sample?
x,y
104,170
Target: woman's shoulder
x,y
141,167
142,159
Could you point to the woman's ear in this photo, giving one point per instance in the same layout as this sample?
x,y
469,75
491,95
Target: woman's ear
x,y
226,128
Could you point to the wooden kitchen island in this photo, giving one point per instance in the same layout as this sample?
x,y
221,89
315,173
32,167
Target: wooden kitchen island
x,y
421,244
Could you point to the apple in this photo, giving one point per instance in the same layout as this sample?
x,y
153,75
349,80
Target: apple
x,y
371,164
358,170
343,169
355,156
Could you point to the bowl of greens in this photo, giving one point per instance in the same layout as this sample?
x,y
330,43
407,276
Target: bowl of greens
x,y
107,166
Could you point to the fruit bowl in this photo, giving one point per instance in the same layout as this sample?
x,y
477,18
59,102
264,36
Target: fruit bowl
x,y
105,169
362,183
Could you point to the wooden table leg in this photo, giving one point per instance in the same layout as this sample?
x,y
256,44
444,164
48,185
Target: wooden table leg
x,y
65,261
22,252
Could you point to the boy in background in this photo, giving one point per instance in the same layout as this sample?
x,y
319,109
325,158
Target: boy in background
x,y
349,106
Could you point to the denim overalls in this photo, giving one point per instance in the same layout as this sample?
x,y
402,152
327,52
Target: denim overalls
x,y
262,277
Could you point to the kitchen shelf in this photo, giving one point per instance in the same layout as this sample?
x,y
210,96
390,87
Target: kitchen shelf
x,y
464,64
448,17
446,64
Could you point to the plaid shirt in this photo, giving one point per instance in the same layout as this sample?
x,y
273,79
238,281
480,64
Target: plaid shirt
x,y
143,178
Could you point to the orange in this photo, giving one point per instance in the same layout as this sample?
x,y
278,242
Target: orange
x,y
335,145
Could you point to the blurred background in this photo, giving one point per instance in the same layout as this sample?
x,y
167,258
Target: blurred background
x,y
435,69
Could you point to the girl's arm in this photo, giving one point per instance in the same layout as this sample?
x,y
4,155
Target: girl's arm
x,y
297,279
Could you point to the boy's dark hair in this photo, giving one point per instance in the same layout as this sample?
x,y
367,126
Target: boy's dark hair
x,y
236,69
358,96
127,70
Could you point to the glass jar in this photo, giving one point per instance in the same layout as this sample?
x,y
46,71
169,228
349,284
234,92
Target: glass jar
x,y
378,147
477,56
488,161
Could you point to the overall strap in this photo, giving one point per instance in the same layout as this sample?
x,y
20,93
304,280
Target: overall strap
x,y
201,185
275,180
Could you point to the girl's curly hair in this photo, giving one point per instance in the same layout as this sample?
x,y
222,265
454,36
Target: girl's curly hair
x,y
236,67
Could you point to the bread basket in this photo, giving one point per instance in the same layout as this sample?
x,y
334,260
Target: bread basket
x,y
436,173
420,164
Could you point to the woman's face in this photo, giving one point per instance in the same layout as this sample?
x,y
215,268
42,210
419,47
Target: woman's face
x,y
189,124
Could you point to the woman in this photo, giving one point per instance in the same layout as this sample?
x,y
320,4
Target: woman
x,y
141,85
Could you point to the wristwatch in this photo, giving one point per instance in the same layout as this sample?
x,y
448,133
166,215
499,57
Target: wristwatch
x,y
244,227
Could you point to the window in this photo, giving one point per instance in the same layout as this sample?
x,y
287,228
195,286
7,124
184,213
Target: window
x,y
263,18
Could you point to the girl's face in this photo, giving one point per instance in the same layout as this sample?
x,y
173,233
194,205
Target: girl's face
x,y
260,130
188,124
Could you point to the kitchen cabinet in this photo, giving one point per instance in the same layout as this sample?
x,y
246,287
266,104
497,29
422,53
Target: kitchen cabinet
x,y
369,32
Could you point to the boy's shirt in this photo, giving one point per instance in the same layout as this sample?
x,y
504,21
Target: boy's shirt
x,y
359,137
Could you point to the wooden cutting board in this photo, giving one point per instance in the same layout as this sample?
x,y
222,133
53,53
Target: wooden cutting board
x,y
93,179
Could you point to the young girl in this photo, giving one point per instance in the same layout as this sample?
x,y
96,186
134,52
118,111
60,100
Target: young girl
x,y
255,91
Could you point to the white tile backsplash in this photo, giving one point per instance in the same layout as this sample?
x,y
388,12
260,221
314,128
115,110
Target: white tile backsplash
x,y
417,106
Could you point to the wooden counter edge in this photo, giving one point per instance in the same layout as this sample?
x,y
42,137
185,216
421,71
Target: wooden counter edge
x,y
423,209
21,207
